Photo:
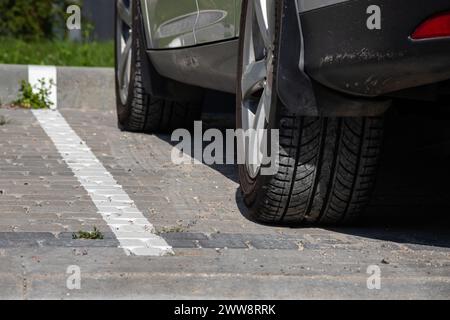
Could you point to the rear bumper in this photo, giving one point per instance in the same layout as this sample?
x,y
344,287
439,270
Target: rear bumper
x,y
341,53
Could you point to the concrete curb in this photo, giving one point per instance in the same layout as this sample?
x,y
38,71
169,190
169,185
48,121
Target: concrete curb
x,y
78,87
10,76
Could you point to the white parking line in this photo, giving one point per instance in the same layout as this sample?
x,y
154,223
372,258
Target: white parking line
x,y
133,231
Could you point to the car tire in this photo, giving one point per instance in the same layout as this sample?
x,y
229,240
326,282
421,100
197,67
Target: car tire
x,y
327,166
137,109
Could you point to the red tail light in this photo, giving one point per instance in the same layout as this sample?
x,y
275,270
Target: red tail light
x,y
436,27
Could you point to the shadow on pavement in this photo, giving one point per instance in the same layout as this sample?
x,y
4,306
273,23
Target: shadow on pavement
x,y
411,202
218,113
411,199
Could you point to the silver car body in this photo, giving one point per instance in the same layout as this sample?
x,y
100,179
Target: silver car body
x,y
183,23
176,24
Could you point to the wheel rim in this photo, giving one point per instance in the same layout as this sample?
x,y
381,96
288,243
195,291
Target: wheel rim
x,y
124,42
257,80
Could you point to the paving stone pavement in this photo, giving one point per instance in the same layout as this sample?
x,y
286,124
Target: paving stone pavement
x,y
198,210
38,192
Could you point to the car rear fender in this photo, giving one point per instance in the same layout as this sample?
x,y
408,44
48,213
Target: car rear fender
x,y
298,92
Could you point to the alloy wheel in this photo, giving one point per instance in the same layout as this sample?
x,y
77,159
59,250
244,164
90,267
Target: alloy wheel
x,y
257,80
124,43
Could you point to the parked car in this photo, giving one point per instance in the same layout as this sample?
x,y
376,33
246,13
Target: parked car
x,y
322,72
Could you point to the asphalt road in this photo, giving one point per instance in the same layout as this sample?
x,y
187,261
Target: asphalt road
x,y
197,209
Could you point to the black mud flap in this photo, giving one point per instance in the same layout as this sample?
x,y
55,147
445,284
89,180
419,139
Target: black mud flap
x,y
153,82
294,87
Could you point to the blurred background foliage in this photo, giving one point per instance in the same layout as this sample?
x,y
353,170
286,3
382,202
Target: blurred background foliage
x,y
34,32
32,20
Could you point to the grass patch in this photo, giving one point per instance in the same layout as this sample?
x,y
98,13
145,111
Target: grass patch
x,y
57,53
36,97
172,229
92,235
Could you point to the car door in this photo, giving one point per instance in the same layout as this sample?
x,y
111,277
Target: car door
x,y
170,23
217,20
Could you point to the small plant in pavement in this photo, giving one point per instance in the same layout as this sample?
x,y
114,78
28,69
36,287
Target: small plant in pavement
x,y
4,120
34,97
92,235
173,229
